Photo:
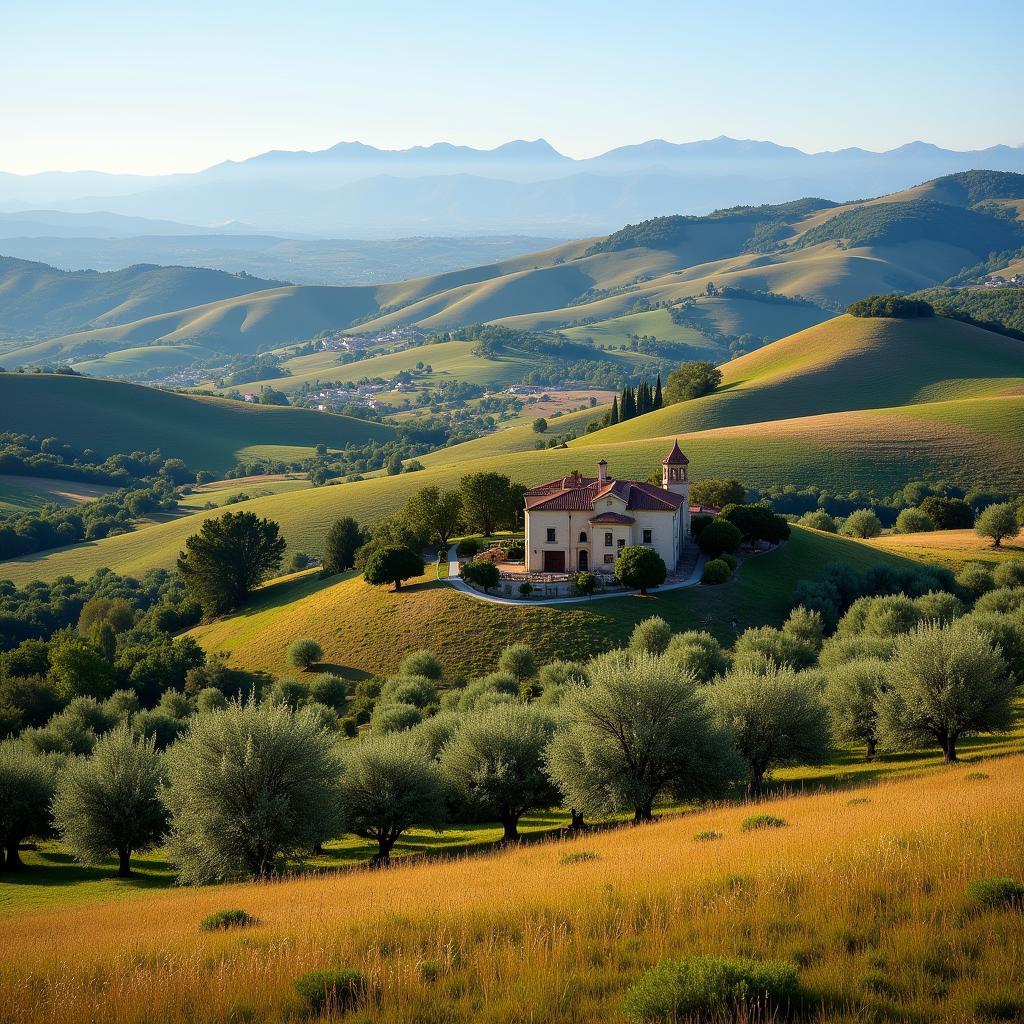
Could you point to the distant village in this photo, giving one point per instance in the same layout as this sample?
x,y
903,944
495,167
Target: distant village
x,y
998,281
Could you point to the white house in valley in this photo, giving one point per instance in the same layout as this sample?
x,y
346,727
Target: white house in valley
x,y
578,523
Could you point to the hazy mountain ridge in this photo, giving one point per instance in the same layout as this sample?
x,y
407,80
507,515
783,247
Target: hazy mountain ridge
x,y
520,186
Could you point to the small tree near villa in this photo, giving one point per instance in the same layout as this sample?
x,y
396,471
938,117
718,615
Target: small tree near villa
x,y
304,653
394,564
640,567
482,574
586,583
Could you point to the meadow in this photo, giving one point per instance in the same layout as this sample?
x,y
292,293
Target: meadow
x,y
864,891
25,493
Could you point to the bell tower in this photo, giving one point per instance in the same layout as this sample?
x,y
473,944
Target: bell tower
x,y
675,478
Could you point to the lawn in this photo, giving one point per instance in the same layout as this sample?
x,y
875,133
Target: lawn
x,y
865,893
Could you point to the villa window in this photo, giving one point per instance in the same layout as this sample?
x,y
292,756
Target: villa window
x,y
551,535
608,540
647,536
622,543
609,559
583,536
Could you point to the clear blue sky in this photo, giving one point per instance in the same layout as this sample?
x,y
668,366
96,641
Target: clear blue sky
x,y
159,86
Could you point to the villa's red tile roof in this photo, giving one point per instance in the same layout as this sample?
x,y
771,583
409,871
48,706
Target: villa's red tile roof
x,y
577,493
675,457
611,517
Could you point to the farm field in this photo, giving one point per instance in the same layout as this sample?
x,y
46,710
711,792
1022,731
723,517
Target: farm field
x,y
526,930
25,493
220,492
953,548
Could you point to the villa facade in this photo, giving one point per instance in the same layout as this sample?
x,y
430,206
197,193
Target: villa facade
x,y
578,523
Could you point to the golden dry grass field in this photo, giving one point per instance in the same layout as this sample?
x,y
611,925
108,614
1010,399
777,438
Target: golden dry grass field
x,y
865,891
953,548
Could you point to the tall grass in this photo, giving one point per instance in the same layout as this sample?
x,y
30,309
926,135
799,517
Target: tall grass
x,y
869,902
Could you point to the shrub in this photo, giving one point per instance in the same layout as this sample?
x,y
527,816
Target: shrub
x,y
225,919
304,654
700,987
1009,573
651,636
577,857
975,579
586,583
717,537
518,660
996,893
395,717
706,837
819,520
699,521
481,574
468,548
331,991
913,520
863,523
331,690
715,572
999,1007
640,567
759,821
422,663
948,513
430,970
416,690
976,776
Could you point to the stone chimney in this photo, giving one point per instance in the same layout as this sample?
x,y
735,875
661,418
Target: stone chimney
x,y
602,473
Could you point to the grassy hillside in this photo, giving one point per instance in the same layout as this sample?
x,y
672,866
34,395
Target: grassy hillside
x,y
368,630
38,299
971,441
865,895
208,433
843,364
830,254
24,493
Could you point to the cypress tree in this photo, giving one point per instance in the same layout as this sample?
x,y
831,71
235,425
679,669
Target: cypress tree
x,y
614,415
645,397
659,400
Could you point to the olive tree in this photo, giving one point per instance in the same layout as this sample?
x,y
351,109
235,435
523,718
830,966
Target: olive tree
x,y
699,653
109,802
248,786
390,783
26,789
651,636
776,716
494,763
997,523
946,682
422,663
851,695
304,653
639,730
518,660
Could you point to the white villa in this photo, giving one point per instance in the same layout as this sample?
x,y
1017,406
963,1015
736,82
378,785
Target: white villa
x,y
581,523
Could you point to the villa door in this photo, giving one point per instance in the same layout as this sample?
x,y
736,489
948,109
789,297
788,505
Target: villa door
x,y
583,563
554,561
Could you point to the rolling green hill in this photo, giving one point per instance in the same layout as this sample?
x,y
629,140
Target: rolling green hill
x,y
208,433
830,254
37,299
364,629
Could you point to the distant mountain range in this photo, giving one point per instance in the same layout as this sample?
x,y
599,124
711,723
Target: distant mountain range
x,y
358,190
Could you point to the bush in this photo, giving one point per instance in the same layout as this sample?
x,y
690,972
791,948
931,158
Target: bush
x,y
699,522
304,654
578,857
225,919
702,987
719,537
913,520
651,636
481,574
975,579
716,571
330,690
707,837
819,520
996,893
468,548
331,991
759,821
1009,573
422,663
395,717
863,524
640,567
948,513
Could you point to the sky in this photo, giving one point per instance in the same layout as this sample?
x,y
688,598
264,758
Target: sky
x,y
178,85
